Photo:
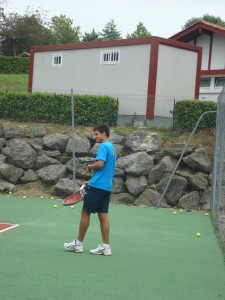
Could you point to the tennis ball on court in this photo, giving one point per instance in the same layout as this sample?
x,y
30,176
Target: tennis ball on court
x,y
206,214
52,198
174,212
10,193
181,210
41,197
55,205
24,197
72,206
198,234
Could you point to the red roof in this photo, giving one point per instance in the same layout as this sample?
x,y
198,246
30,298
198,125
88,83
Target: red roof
x,y
197,29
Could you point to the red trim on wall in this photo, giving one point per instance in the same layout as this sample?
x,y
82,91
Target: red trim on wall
x,y
152,76
210,51
213,72
31,67
182,34
198,74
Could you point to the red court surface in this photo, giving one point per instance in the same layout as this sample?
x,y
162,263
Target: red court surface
x,y
7,226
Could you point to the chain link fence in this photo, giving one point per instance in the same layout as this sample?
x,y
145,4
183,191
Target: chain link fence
x,y
218,179
36,158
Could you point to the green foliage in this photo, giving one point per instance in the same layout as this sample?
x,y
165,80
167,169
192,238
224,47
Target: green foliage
x,y
187,112
207,18
141,31
14,65
92,36
110,32
62,31
89,109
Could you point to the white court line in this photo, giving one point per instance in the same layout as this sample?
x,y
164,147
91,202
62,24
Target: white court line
x,y
13,226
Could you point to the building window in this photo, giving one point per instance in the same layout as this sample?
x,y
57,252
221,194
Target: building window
x,y
219,81
110,57
205,82
57,60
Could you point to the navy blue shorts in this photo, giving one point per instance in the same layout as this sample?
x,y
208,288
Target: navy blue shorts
x,y
96,200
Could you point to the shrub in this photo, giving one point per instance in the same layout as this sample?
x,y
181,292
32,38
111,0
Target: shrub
x,y
56,108
14,65
187,112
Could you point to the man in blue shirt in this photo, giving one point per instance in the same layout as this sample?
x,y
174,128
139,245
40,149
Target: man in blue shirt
x,y
98,193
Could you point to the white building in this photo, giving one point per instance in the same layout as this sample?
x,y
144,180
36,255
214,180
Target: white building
x,y
211,38
146,74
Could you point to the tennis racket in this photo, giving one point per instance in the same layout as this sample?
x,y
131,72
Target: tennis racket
x,y
75,198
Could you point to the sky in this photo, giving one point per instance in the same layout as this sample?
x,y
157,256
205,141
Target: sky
x,y
162,18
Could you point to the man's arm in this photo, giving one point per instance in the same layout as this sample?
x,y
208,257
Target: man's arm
x,y
96,165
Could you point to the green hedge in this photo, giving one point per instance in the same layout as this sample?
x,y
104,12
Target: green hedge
x,y
14,65
89,109
187,112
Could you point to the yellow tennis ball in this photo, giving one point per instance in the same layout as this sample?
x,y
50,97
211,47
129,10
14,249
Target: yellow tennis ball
x,y
10,192
72,206
41,197
24,197
206,214
181,210
174,212
52,198
198,234
55,205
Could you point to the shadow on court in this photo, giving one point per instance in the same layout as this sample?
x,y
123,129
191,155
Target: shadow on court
x,y
156,254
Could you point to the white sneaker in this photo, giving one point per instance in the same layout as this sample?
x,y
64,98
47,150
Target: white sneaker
x,y
74,246
100,250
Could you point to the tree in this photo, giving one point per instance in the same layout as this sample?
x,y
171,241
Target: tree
x,y
207,18
110,32
140,31
62,30
92,36
19,33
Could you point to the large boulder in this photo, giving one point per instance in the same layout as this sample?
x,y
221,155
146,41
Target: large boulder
x,y
56,142
118,185
189,201
6,186
150,198
136,185
17,132
36,143
44,161
175,190
38,131
196,181
175,150
29,176
11,173
52,174
136,164
65,187
122,198
143,141
21,154
198,161
81,146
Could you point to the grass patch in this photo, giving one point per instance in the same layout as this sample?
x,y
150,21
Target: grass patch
x,y
14,82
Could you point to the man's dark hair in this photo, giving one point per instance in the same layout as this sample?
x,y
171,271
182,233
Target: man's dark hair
x,y
102,128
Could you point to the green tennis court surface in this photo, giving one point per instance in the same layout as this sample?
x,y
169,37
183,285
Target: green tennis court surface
x,y
156,255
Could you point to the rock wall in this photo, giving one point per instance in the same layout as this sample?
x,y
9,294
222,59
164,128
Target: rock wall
x,y
142,171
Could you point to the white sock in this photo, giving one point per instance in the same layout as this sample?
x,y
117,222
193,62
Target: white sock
x,y
105,245
78,242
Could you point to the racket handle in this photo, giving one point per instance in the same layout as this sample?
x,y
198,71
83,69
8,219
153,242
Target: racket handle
x,y
82,187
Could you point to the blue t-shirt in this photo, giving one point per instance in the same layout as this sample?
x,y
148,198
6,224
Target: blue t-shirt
x,y
102,178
